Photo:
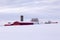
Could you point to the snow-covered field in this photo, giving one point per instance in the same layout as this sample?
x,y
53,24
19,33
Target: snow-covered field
x,y
31,32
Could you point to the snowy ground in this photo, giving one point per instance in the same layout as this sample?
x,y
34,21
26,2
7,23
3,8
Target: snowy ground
x,y
31,32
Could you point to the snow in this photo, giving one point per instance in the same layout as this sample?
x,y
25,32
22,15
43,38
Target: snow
x,y
31,32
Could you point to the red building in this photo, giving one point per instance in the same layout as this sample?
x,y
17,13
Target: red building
x,y
19,23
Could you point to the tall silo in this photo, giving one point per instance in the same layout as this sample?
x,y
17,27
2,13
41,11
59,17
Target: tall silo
x,y
22,19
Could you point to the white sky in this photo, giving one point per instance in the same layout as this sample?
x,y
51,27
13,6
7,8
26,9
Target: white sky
x,y
44,8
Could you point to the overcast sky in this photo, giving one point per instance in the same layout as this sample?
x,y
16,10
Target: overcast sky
x,y
31,8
